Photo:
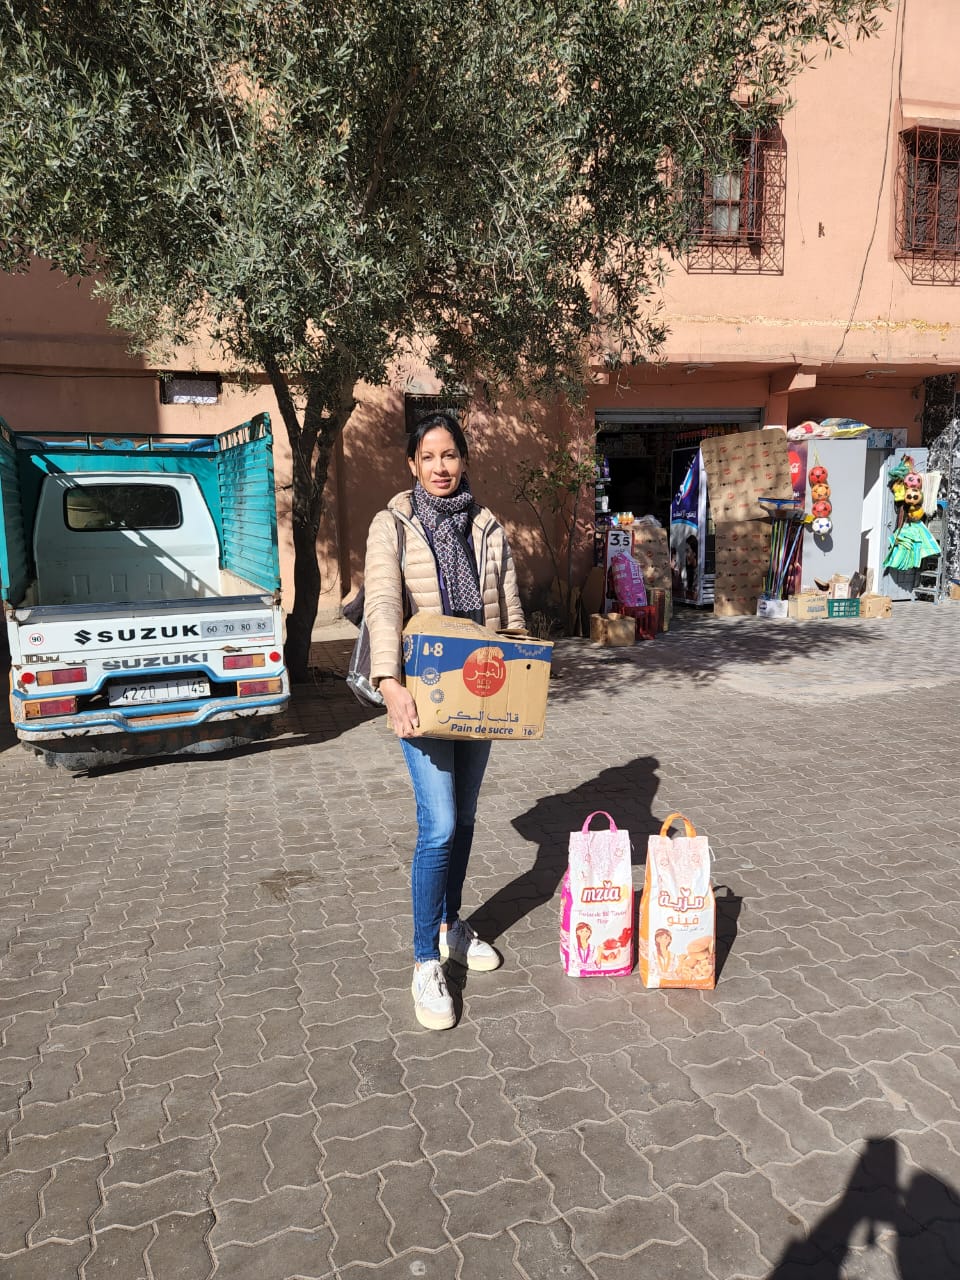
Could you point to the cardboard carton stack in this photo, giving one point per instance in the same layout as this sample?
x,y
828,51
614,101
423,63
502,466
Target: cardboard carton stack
x,y
838,602
740,469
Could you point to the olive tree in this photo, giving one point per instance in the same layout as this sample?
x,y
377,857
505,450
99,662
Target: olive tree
x,y
321,187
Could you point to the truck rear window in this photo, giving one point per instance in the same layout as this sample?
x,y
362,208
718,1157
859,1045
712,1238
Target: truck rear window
x,y
91,508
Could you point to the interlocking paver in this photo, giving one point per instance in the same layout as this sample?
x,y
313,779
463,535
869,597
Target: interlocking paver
x,y
622,1228
209,1065
410,1197
487,1259
20,1197
576,1181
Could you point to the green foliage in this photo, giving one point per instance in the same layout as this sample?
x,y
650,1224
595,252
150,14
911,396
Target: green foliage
x,y
320,185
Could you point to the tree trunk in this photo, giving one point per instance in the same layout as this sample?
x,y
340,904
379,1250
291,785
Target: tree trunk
x,y
311,447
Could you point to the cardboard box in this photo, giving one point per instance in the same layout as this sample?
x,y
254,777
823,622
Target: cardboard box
x,y
612,629
872,606
742,466
742,558
955,590
651,549
771,608
469,682
811,604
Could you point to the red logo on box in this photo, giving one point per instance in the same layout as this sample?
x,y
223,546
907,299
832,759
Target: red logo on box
x,y
485,672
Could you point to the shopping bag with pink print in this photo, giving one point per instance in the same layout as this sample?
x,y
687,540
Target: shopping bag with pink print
x,y
596,903
676,945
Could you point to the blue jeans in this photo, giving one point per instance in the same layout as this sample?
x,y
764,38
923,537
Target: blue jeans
x,y
446,778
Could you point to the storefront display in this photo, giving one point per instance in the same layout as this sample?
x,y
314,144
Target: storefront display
x,y
757,517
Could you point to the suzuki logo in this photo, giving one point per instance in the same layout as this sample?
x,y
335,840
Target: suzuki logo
x,y
128,634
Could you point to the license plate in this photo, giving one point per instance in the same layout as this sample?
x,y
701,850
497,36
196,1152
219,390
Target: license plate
x,y
137,692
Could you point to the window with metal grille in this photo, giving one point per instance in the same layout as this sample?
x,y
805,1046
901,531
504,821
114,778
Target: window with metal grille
x,y
928,204
418,407
738,215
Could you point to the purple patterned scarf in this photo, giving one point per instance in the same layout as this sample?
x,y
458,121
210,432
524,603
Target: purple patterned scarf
x,y
447,523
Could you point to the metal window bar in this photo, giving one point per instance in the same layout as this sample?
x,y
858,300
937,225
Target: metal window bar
x,y
740,218
928,205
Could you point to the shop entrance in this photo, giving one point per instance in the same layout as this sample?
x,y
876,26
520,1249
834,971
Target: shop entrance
x,y
643,460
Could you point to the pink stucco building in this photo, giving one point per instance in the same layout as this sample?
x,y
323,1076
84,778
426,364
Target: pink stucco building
x,y
825,282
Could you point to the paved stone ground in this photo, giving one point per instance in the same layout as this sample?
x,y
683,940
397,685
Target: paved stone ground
x,y
209,1064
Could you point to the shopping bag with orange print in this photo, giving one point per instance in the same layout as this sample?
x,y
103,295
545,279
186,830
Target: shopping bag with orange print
x,y
677,937
596,903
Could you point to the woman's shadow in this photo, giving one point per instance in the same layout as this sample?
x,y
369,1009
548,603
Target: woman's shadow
x,y
624,791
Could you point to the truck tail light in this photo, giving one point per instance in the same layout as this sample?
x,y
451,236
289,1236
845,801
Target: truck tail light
x,y
246,688
62,675
49,707
234,661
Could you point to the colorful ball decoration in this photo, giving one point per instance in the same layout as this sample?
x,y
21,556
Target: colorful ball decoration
x,y
821,509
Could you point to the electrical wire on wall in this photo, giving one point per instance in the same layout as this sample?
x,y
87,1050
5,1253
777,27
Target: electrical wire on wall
x,y
896,76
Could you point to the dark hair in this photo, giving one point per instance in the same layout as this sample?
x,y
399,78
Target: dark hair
x,y
445,420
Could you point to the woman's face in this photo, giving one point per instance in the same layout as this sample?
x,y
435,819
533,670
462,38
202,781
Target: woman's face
x,y
438,464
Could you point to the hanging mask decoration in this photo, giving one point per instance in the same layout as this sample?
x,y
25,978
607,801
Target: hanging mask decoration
x,y
914,480
913,504
820,492
899,490
818,475
821,526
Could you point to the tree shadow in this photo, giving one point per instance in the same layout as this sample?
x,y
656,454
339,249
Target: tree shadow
x,y
701,648
925,1214
625,791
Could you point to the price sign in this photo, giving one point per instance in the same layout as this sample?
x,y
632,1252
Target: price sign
x,y
619,542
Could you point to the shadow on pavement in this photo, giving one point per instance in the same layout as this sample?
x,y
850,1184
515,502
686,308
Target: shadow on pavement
x,y
700,648
625,791
318,712
925,1216
729,906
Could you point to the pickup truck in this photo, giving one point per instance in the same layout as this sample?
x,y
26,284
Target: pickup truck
x,y
140,583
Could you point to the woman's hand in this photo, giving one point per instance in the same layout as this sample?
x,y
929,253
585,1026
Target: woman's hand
x,y
401,708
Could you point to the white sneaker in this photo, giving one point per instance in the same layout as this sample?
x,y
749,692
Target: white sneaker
x,y
460,944
431,1000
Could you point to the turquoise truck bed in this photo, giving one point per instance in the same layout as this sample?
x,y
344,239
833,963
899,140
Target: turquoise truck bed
x,y
234,471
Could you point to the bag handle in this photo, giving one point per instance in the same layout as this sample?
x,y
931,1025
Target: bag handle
x,y
690,829
598,813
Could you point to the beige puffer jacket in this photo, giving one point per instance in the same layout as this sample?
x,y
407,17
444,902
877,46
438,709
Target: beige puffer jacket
x,y
383,599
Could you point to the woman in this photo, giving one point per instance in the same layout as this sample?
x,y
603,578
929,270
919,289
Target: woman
x,y
434,548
